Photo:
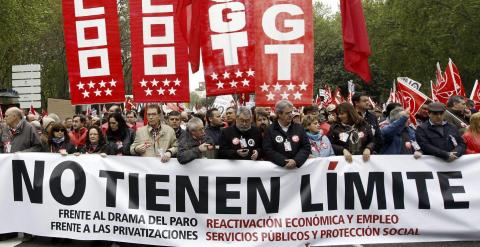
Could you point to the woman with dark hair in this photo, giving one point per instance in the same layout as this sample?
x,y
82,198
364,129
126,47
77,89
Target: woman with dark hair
x,y
58,140
95,143
351,134
119,135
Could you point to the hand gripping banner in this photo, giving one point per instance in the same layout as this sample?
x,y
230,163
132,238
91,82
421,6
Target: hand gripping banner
x,y
227,43
92,42
159,52
284,52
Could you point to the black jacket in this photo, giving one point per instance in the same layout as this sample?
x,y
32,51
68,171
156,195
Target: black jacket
x,y
373,122
274,144
214,133
124,149
188,148
342,137
231,141
440,144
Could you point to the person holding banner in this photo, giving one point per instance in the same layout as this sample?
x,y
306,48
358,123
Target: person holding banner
x,y
194,144
398,135
242,141
286,143
321,146
472,136
96,143
18,135
361,102
119,134
155,139
59,141
351,134
438,137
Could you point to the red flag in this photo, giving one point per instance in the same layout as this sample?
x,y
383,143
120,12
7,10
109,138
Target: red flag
x,y
452,76
442,90
44,113
92,41
355,39
338,98
159,52
411,98
32,111
228,51
475,95
190,27
284,52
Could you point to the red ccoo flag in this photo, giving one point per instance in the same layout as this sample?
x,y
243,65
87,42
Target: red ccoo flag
x,y
475,95
452,76
442,90
355,39
411,98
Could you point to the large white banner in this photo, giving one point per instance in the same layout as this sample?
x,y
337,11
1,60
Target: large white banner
x,y
241,203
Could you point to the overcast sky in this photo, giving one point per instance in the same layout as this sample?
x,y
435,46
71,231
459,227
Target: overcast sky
x,y
198,77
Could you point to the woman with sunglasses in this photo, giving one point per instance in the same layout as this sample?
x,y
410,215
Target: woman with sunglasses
x,y
119,135
59,141
351,134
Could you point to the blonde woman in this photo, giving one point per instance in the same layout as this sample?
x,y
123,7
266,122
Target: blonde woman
x,y
472,136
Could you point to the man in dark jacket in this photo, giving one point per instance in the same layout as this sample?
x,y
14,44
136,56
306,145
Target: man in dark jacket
x,y
439,138
242,141
215,124
174,121
18,135
194,144
286,143
361,101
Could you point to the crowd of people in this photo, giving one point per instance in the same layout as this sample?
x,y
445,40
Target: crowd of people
x,y
285,135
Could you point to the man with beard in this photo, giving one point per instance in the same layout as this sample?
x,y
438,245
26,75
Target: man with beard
x,y
242,141
286,143
262,120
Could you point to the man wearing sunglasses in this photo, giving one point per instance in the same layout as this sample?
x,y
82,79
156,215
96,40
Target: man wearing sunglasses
x,y
439,138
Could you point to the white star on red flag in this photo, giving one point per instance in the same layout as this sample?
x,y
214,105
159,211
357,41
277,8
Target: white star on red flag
x,y
250,72
166,82
265,87
154,82
290,87
172,91
161,91
102,83
148,92
246,82
143,83
277,87
220,85
270,96
297,95
80,85
177,82
238,73
233,84
113,83
86,94
108,92
303,86
285,95
226,75
98,93
214,76
91,84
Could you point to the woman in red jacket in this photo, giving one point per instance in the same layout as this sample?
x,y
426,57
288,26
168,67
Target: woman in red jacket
x,y
472,136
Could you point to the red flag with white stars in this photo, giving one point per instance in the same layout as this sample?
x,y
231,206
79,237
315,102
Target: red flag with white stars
x,y
284,52
159,52
92,41
228,51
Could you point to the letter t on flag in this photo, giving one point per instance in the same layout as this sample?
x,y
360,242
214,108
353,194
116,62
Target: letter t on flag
x,y
355,39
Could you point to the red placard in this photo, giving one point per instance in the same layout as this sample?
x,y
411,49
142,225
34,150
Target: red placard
x,y
159,52
284,52
92,41
228,50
